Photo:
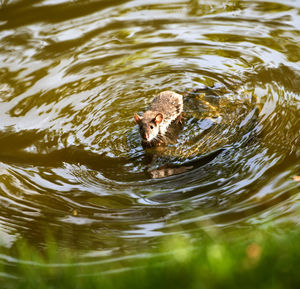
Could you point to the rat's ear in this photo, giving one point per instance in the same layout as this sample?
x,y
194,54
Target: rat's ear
x,y
137,118
158,119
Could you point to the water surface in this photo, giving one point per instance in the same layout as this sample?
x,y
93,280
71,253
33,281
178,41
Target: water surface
x,y
73,73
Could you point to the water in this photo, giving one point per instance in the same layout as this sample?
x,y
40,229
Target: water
x,y
73,73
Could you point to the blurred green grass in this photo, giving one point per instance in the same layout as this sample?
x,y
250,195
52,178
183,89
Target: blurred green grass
x,y
261,260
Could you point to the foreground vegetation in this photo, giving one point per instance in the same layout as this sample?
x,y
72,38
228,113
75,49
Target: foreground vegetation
x,y
261,260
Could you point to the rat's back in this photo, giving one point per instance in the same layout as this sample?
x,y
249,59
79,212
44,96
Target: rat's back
x,y
169,103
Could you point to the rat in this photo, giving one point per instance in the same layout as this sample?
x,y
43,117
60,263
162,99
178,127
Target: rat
x,y
165,109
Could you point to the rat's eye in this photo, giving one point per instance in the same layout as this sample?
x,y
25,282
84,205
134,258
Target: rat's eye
x,y
151,126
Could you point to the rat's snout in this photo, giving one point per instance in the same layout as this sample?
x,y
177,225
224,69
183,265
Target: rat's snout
x,y
145,136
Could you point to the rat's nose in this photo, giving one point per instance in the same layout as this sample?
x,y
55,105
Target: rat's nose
x,y
145,136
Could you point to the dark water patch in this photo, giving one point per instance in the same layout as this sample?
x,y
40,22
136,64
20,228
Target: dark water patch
x,y
25,13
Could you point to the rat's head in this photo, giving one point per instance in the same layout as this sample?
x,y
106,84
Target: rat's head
x,y
149,125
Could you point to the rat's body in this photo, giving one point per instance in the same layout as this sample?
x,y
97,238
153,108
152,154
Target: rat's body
x,y
164,109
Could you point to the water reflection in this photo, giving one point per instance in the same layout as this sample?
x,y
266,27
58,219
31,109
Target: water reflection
x,y
72,74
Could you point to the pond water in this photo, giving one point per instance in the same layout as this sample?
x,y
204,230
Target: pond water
x,y
73,73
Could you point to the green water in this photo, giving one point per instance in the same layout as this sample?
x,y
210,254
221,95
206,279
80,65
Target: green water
x,y
73,73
